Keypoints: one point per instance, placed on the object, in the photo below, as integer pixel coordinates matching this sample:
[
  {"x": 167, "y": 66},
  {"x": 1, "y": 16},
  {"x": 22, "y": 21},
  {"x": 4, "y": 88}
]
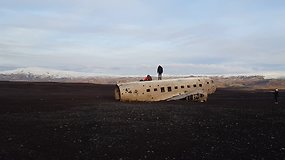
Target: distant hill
[
  {"x": 248, "y": 82},
  {"x": 48, "y": 75}
]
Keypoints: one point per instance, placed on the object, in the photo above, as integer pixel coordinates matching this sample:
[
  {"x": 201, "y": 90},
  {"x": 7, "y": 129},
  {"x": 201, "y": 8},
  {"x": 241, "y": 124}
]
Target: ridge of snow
[{"x": 51, "y": 73}]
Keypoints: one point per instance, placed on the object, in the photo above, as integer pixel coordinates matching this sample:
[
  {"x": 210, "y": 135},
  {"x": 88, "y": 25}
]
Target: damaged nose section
[{"x": 117, "y": 93}]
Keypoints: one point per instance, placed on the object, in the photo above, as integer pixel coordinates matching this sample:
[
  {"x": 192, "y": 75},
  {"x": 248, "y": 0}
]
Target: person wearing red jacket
[{"x": 147, "y": 78}]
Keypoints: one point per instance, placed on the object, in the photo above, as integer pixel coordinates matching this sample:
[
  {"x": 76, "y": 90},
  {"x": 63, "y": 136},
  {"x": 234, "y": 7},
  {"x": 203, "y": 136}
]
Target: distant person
[
  {"x": 159, "y": 71},
  {"x": 147, "y": 78},
  {"x": 276, "y": 95}
]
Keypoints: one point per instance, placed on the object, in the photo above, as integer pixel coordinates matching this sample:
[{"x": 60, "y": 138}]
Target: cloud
[{"x": 133, "y": 36}]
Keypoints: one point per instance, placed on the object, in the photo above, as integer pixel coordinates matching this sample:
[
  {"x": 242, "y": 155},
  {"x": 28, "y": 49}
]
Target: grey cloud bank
[{"x": 133, "y": 37}]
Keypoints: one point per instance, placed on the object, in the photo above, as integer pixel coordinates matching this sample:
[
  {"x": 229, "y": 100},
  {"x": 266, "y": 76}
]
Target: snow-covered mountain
[
  {"x": 44, "y": 74},
  {"x": 35, "y": 74}
]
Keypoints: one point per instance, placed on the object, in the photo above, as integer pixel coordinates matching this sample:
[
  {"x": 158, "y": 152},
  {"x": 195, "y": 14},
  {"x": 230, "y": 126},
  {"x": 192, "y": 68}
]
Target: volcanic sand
[{"x": 84, "y": 121}]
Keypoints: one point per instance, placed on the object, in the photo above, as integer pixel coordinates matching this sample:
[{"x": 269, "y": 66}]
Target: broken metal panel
[
  {"x": 191, "y": 96},
  {"x": 164, "y": 89}
]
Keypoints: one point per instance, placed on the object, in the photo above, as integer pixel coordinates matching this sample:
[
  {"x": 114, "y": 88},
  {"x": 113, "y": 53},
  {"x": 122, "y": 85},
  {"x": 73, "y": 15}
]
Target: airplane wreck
[{"x": 191, "y": 89}]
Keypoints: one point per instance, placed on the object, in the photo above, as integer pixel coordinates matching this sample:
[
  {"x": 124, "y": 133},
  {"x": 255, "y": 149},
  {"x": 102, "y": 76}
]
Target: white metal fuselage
[{"x": 194, "y": 88}]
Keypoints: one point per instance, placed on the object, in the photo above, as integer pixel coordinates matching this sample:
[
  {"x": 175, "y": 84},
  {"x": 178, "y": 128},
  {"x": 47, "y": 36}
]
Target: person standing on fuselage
[{"x": 159, "y": 71}]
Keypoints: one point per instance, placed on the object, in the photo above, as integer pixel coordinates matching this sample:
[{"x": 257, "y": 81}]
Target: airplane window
[
  {"x": 155, "y": 89},
  {"x": 182, "y": 86},
  {"x": 162, "y": 89},
  {"x": 194, "y": 85},
  {"x": 200, "y": 85},
  {"x": 176, "y": 87},
  {"x": 188, "y": 86},
  {"x": 169, "y": 89},
  {"x": 147, "y": 90}
]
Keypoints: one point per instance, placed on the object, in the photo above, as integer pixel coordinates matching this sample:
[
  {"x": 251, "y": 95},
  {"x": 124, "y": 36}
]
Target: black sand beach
[{"x": 55, "y": 121}]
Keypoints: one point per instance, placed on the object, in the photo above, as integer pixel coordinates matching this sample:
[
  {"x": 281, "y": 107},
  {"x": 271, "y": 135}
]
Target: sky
[{"x": 132, "y": 37}]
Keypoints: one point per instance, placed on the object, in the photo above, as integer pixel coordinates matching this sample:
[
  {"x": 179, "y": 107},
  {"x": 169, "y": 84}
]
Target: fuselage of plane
[{"x": 194, "y": 88}]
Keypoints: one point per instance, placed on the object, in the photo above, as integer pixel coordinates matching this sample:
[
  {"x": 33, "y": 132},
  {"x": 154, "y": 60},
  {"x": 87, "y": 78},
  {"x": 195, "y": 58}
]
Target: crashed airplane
[{"x": 191, "y": 89}]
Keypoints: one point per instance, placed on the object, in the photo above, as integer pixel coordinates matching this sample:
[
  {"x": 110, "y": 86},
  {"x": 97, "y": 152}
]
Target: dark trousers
[{"x": 159, "y": 77}]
